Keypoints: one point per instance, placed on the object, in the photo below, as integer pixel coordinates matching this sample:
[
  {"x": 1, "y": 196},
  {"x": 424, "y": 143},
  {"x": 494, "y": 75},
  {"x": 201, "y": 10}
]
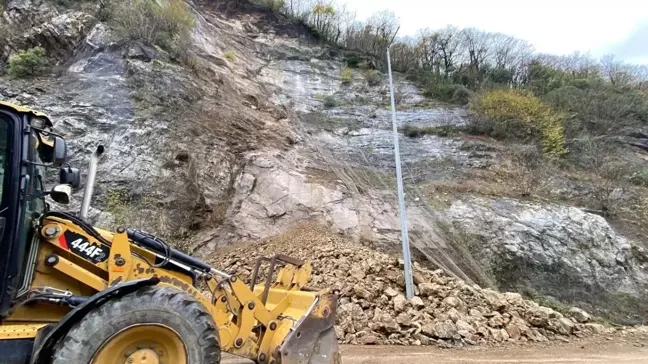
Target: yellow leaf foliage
[
  {"x": 514, "y": 108},
  {"x": 346, "y": 75}
]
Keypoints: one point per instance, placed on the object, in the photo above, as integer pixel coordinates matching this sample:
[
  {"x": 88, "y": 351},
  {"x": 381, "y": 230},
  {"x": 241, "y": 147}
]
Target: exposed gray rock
[
  {"x": 558, "y": 251},
  {"x": 565, "y": 326},
  {"x": 579, "y": 315},
  {"x": 595, "y": 328}
]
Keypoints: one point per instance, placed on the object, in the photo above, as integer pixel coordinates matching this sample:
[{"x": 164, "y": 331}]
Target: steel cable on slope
[
  {"x": 352, "y": 183},
  {"x": 457, "y": 272},
  {"x": 473, "y": 265},
  {"x": 431, "y": 215}
]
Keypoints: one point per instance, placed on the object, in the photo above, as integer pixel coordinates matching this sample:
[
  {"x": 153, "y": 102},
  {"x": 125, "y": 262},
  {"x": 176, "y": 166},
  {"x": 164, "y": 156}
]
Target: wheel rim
[{"x": 143, "y": 344}]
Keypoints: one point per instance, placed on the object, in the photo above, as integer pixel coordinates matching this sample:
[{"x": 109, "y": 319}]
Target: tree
[
  {"x": 427, "y": 44},
  {"x": 385, "y": 27},
  {"x": 448, "y": 43},
  {"x": 616, "y": 71},
  {"x": 323, "y": 16},
  {"x": 476, "y": 52},
  {"x": 405, "y": 55}
]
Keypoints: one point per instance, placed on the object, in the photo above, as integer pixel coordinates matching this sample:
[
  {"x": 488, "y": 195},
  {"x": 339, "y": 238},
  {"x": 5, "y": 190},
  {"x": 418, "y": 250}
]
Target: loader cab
[{"x": 25, "y": 152}]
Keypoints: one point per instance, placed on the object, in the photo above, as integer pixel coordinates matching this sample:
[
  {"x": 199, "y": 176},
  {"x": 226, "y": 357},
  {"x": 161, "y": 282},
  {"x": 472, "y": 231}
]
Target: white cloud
[{"x": 552, "y": 26}]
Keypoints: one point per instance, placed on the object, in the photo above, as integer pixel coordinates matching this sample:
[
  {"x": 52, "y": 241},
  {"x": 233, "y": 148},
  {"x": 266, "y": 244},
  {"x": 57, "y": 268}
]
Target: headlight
[{"x": 38, "y": 123}]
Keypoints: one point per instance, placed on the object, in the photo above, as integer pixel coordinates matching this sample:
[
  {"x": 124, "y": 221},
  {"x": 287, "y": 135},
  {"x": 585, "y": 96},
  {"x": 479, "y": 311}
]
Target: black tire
[{"x": 155, "y": 305}]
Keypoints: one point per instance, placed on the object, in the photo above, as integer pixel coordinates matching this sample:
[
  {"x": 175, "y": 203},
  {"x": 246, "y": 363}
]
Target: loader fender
[{"x": 44, "y": 347}]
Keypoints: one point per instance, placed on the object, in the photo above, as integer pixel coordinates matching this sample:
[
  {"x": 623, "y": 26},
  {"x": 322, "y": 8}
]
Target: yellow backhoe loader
[{"x": 71, "y": 293}]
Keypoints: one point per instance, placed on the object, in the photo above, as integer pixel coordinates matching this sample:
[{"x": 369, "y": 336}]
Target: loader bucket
[{"x": 313, "y": 339}]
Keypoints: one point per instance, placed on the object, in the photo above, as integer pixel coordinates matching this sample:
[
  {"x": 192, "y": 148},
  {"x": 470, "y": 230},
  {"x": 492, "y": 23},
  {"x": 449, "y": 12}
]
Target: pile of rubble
[{"x": 373, "y": 308}]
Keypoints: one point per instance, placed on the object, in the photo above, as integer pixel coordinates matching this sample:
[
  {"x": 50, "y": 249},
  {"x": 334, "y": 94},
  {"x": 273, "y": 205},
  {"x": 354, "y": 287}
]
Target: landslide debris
[{"x": 373, "y": 309}]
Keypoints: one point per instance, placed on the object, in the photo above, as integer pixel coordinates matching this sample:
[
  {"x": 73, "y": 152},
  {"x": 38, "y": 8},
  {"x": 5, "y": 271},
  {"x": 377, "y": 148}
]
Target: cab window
[
  {"x": 4, "y": 161},
  {"x": 35, "y": 204}
]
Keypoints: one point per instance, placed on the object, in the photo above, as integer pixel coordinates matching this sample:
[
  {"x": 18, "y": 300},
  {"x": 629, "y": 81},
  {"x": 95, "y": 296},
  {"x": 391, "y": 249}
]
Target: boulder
[
  {"x": 579, "y": 315},
  {"x": 369, "y": 339},
  {"x": 427, "y": 289},
  {"x": 446, "y": 330},
  {"x": 564, "y": 326},
  {"x": 465, "y": 329},
  {"x": 390, "y": 292},
  {"x": 417, "y": 302},
  {"x": 399, "y": 303}
]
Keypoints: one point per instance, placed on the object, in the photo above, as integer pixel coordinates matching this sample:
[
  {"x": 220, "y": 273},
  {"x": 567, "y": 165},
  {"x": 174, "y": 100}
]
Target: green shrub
[
  {"x": 352, "y": 60},
  {"x": 66, "y": 3},
  {"x": 230, "y": 56},
  {"x": 412, "y": 74},
  {"x": 346, "y": 75},
  {"x": 639, "y": 177},
  {"x": 510, "y": 113},
  {"x": 462, "y": 95},
  {"x": 373, "y": 77},
  {"x": 360, "y": 60},
  {"x": 274, "y": 5},
  {"x": 600, "y": 109},
  {"x": 500, "y": 75},
  {"x": 581, "y": 83},
  {"x": 444, "y": 91},
  {"x": 413, "y": 131},
  {"x": 31, "y": 62},
  {"x": 150, "y": 22},
  {"x": 330, "y": 101}
]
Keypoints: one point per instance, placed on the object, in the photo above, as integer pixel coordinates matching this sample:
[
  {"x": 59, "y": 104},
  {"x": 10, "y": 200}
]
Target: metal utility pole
[{"x": 409, "y": 284}]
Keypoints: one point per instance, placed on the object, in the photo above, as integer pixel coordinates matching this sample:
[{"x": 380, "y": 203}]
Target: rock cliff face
[
  {"x": 561, "y": 251},
  {"x": 224, "y": 151}
]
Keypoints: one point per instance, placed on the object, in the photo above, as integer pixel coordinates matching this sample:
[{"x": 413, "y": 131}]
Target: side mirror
[
  {"x": 61, "y": 194},
  {"x": 60, "y": 151},
  {"x": 70, "y": 176}
]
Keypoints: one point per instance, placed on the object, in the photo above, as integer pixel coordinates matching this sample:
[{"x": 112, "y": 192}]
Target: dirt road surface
[
  {"x": 583, "y": 352},
  {"x": 574, "y": 353}
]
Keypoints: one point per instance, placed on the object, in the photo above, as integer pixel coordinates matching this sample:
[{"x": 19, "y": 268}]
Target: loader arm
[{"x": 272, "y": 322}]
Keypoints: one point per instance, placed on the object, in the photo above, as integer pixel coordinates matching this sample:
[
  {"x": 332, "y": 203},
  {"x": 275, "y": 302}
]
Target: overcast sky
[{"x": 552, "y": 26}]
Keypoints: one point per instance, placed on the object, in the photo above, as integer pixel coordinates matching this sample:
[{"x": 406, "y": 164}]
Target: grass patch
[
  {"x": 373, "y": 77},
  {"x": 230, "y": 56},
  {"x": 328, "y": 123},
  {"x": 346, "y": 75},
  {"x": 330, "y": 102},
  {"x": 413, "y": 131},
  {"x": 165, "y": 25}
]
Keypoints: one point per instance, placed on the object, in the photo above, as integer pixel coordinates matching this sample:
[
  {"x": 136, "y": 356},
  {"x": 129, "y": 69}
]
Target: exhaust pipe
[{"x": 89, "y": 187}]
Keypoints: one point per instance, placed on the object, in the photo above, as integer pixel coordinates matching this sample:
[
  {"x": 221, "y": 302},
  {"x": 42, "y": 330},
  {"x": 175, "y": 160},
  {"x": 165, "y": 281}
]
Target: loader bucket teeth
[{"x": 313, "y": 340}]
